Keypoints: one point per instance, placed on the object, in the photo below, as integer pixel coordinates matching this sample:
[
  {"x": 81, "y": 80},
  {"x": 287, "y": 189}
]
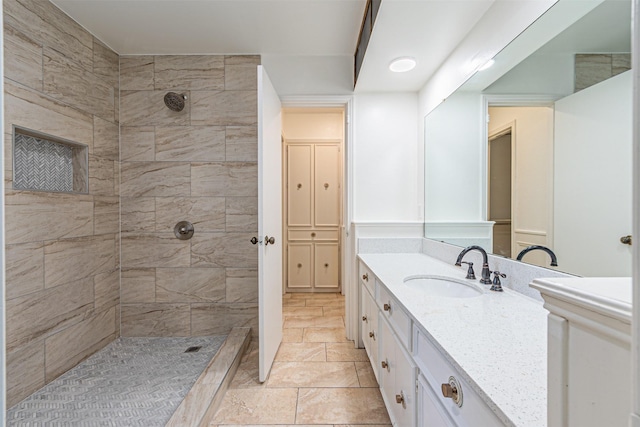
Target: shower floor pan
[{"x": 131, "y": 382}]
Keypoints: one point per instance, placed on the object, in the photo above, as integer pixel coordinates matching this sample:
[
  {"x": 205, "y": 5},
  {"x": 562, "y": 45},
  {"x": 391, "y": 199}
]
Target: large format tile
[
  {"x": 155, "y": 179},
  {"x": 46, "y": 24},
  {"x": 301, "y": 352},
  {"x": 313, "y": 322},
  {"x": 24, "y": 271},
  {"x": 242, "y": 144},
  {"x": 241, "y": 72},
  {"x": 155, "y": 320},
  {"x": 241, "y": 214},
  {"x": 341, "y": 406},
  {"x": 32, "y": 110},
  {"x": 224, "y": 179},
  {"x": 324, "y": 335},
  {"x": 219, "y": 318},
  {"x": 22, "y": 58},
  {"x": 292, "y": 335},
  {"x": 102, "y": 176},
  {"x": 189, "y": 72},
  {"x": 207, "y": 214},
  {"x": 106, "y": 63},
  {"x": 147, "y": 108},
  {"x": 106, "y": 214},
  {"x": 70, "y": 82},
  {"x": 190, "y": 284},
  {"x": 136, "y": 72},
  {"x": 106, "y": 290},
  {"x": 190, "y": 143},
  {"x": 25, "y": 371},
  {"x": 224, "y": 108},
  {"x": 345, "y": 352},
  {"x": 138, "y": 285},
  {"x": 106, "y": 139},
  {"x": 73, "y": 259},
  {"x": 71, "y": 346},
  {"x": 241, "y": 285},
  {"x": 301, "y": 311},
  {"x": 224, "y": 250},
  {"x": 263, "y": 406},
  {"x": 43, "y": 313},
  {"x": 366, "y": 377},
  {"x": 138, "y": 214},
  {"x": 137, "y": 143},
  {"x": 313, "y": 374},
  {"x": 154, "y": 250}
]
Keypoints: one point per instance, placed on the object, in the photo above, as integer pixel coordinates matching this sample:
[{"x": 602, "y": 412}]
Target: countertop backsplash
[{"x": 519, "y": 274}]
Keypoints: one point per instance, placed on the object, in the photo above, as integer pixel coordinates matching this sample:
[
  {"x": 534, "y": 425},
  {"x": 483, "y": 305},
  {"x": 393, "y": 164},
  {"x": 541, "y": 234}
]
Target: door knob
[
  {"x": 254, "y": 240},
  {"x": 269, "y": 240},
  {"x": 626, "y": 240}
]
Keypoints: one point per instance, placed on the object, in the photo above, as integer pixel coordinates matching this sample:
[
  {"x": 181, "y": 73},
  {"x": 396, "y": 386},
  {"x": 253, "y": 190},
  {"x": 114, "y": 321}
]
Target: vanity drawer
[
  {"x": 391, "y": 310},
  {"x": 367, "y": 278},
  {"x": 314, "y": 235},
  {"x": 437, "y": 370}
]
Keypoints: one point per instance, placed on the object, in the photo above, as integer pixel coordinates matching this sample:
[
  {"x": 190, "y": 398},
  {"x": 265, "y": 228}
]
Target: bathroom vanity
[{"x": 473, "y": 360}]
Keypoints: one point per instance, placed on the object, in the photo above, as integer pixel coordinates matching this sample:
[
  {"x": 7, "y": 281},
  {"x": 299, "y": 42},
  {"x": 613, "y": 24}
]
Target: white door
[{"x": 269, "y": 222}]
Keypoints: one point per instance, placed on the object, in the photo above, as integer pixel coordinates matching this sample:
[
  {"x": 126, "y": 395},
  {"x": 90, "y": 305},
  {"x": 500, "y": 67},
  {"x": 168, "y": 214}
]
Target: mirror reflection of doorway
[{"x": 500, "y": 191}]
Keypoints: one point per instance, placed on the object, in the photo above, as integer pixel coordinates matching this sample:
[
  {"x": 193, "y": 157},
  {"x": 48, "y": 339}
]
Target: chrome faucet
[
  {"x": 554, "y": 260},
  {"x": 485, "y": 275}
]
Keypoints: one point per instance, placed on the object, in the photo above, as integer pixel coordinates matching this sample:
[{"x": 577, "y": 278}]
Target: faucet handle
[
  {"x": 470, "y": 273},
  {"x": 497, "y": 286}
]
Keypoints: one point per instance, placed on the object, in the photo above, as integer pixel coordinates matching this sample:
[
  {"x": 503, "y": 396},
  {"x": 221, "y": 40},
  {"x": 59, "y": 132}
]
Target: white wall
[
  {"x": 310, "y": 75},
  {"x": 593, "y": 176},
  {"x": 453, "y": 160},
  {"x": 385, "y": 164}
]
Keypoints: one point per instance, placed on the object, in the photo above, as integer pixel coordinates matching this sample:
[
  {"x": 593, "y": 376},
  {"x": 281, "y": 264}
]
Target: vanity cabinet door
[
  {"x": 397, "y": 377},
  {"x": 370, "y": 329},
  {"x": 430, "y": 412}
]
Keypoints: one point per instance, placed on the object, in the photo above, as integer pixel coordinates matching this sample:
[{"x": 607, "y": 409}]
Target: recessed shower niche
[{"x": 44, "y": 162}]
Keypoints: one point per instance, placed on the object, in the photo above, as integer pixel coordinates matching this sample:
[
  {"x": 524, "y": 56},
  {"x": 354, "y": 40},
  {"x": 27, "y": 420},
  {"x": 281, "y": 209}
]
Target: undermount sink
[{"x": 438, "y": 286}]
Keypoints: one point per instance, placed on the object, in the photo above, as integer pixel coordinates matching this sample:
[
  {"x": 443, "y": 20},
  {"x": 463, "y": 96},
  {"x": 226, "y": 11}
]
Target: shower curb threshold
[{"x": 204, "y": 398}]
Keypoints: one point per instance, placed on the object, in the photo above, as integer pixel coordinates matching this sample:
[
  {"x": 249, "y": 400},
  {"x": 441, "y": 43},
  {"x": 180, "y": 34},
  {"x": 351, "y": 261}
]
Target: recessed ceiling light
[
  {"x": 488, "y": 64},
  {"x": 402, "y": 64}
]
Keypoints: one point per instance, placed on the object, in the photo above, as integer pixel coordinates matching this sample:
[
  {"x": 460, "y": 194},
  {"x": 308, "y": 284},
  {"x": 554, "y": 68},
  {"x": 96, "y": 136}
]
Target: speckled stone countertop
[{"x": 498, "y": 341}]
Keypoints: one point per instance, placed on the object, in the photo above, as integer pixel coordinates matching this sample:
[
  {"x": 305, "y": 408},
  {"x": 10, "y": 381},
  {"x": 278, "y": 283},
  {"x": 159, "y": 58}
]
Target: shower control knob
[{"x": 183, "y": 230}]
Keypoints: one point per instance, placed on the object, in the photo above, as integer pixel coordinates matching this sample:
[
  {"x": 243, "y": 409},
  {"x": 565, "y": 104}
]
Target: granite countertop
[{"x": 498, "y": 341}]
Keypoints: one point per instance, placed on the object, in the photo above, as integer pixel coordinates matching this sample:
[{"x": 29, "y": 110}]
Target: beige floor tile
[
  {"x": 302, "y": 352},
  {"x": 302, "y": 311},
  {"x": 345, "y": 352},
  {"x": 265, "y": 406},
  {"x": 365, "y": 374},
  {"x": 292, "y": 302},
  {"x": 362, "y": 425},
  {"x": 341, "y": 406},
  {"x": 313, "y": 322},
  {"x": 313, "y": 374},
  {"x": 292, "y": 335},
  {"x": 324, "y": 335},
  {"x": 332, "y": 311},
  {"x": 320, "y": 302}
]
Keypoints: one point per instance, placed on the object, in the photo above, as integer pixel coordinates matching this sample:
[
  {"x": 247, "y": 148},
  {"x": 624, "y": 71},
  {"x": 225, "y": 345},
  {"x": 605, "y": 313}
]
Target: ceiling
[{"x": 425, "y": 29}]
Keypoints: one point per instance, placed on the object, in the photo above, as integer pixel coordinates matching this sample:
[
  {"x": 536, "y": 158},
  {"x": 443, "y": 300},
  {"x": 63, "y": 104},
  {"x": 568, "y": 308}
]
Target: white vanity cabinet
[
  {"x": 369, "y": 316},
  {"x": 430, "y": 412},
  {"x": 397, "y": 377}
]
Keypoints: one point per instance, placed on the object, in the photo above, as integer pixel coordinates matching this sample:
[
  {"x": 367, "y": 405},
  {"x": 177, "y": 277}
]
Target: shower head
[{"x": 175, "y": 101}]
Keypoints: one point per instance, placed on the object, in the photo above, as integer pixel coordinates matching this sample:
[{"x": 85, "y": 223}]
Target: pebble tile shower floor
[{"x": 131, "y": 382}]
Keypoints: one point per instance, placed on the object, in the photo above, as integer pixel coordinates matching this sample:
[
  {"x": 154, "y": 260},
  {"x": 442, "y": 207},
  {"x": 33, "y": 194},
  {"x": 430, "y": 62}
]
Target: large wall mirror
[{"x": 537, "y": 149}]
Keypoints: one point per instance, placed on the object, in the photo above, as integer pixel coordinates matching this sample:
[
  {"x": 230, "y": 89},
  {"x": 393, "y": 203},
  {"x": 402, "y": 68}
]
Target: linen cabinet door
[
  {"x": 326, "y": 269},
  {"x": 327, "y": 185},
  {"x": 299, "y": 186},
  {"x": 299, "y": 262}
]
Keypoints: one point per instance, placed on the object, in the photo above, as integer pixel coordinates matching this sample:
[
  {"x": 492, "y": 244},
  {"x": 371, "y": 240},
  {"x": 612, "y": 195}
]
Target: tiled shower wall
[
  {"x": 198, "y": 165},
  {"x": 62, "y": 277}
]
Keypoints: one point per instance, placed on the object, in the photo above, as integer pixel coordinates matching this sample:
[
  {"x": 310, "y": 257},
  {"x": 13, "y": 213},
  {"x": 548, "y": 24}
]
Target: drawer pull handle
[
  {"x": 372, "y": 335},
  {"x": 387, "y": 307},
  {"x": 365, "y": 277},
  {"x": 364, "y": 318},
  {"x": 452, "y": 390},
  {"x": 385, "y": 365},
  {"x": 400, "y": 400}
]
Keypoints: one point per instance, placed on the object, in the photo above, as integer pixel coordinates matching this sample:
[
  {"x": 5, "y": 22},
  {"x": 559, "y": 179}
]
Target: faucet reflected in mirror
[{"x": 554, "y": 259}]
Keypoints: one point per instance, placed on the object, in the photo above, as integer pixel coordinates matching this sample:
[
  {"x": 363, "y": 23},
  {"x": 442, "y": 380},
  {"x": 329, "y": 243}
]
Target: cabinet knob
[
  {"x": 372, "y": 335},
  {"x": 299, "y": 265},
  {"x": 400, "y": 399},
  {"x": 453, "y": 390},
  {"x": 364, "y": 318},
  {"x": 313, "y": 234},
  {"x": 326, "y": 185},
  {"x": 299, "y": 186},
  {"x": 387, "y": 307},
  {"x": 326, "y": 265},
  {"x": 365, "y": 277},
  {"x": 385, "y": 365}
]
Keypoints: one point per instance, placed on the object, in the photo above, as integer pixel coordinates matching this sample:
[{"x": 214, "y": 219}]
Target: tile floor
[{"x": 318, "y": 377}]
